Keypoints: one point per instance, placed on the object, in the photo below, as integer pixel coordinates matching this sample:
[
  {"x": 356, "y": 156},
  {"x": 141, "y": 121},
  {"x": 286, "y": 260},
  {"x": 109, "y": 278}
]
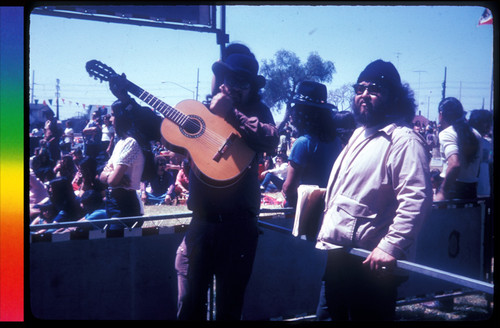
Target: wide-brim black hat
[
  {"x": 311, "y": 93},
  {"x": 243, "y": 65}
]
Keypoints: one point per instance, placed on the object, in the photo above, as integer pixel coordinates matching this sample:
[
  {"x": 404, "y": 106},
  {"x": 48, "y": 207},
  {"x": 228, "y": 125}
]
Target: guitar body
[{"x": 219, "y": 154}]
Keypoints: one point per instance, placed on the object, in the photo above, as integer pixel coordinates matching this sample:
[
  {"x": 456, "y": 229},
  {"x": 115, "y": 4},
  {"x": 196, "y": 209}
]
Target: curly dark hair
[
  {"x": 314, "y": 121},
  {"x": 481, "y": 120}
]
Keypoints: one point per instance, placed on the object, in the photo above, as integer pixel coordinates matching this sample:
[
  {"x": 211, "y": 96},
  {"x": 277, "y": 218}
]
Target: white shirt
[
  {"x": 107, "y": 132},
  {"x": 448, "y": 140},
  {"x": 280, "y": 171},
  {"x": 68, "y": 135},
  {"x": 128, "y": 152}
]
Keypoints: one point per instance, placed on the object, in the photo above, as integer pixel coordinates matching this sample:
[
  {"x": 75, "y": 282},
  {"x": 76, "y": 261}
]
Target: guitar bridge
[{"x": 223, "y": 149}]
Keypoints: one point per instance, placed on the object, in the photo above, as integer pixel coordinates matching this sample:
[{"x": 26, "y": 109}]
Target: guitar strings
[
  {"x": 208, "y": 138},
  {"x": 212, "y": 138}
]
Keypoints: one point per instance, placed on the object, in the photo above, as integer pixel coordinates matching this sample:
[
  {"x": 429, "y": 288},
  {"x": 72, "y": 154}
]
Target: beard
[{"x": 369, "y": 115}]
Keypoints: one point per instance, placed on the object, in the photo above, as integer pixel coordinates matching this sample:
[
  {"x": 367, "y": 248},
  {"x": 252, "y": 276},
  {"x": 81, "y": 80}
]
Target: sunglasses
[
  {"x": 372, "y": 88},
  {"x": 236, "y": 83}
]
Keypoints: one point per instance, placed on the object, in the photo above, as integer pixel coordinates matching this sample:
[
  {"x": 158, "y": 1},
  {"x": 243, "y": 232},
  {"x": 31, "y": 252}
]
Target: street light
[{"x": 180, "y": 86}]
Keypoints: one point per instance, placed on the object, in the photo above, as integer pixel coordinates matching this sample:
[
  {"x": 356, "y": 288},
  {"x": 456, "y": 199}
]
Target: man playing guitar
[{"x": 222, "y": 237}]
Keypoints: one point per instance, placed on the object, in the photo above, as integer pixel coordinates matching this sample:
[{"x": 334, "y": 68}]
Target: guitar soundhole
[{"x": 193, "y": 127}]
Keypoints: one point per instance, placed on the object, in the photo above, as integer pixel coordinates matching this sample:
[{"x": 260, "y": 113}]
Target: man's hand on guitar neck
[
  {"x": 222, "y": 102},
  {"x": 118, "y": 87}
]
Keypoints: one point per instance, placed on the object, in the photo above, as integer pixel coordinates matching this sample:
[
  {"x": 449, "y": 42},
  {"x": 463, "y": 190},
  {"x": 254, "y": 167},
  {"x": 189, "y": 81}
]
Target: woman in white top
[
  {"x": 460, "y": 148},
  {"x": 108, "y": 135},
  {"x": 123, "y": 171}
]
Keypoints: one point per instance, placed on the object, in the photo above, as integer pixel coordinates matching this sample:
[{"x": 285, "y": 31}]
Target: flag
[{"x": 486, "y": 18}]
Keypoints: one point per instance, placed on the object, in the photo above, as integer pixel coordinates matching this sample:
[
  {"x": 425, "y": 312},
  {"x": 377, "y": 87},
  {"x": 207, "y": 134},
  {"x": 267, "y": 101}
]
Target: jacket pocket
[
  {"x": 354, "y": 208},
  {"x": 343, "y": 220}
]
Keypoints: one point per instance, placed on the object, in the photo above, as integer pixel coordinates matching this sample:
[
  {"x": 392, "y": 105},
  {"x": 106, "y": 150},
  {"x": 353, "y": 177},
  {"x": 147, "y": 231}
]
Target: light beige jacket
[{"x": 379, "y": 192}]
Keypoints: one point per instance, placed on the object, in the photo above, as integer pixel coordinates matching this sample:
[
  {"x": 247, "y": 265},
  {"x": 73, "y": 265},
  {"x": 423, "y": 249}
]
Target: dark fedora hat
[
  {"x": 311, "y": 94},
  {"x": 242, "y": 65}
]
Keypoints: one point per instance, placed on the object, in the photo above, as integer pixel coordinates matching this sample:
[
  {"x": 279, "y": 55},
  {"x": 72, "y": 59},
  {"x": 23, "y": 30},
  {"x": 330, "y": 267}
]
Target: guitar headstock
[{"x": 99, "y": 70}]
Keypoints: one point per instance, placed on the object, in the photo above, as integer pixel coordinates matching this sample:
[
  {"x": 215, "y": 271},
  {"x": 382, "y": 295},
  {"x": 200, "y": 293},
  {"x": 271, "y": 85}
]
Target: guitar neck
[{"x": 168, "y": 112}]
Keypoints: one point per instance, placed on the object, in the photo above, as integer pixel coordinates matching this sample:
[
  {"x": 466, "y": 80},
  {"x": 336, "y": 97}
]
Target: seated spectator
[
  {"x": 174, "y": 161},
  {"x": 43, "y": 166},
  {"x": 161, "y": 188},
  {"x": 63, "y": 198},
  {"x": 92, "y": 204},
  {"x": 47, "y": 214},
  {"x": 158, "y": 148},
  {"x": 265, "y": 163},
  {"x": 86, "y": 178},
  {"x": 276, "y": 175},
  {"x": 77, "y": 156},
  {"x": 38, "y": 193},
  {"x": 65, "y": 168},
  {"x": 182, "y": 179}
]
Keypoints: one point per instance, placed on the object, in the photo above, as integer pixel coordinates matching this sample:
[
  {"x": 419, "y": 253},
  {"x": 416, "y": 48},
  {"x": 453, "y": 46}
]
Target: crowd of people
[
  {"x": 374, "y": 165},
  {"x": 73, "y": 187}
]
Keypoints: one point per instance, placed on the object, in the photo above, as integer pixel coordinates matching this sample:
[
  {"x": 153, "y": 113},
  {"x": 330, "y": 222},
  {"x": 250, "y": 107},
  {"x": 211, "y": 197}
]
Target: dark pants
[
  {"x": 350, "y": 291},
  {"x": 225, "y": 249},
  {"x": 272, "y": 178},
  {"x": 122, "y": 203},
  {"x": 463, "y": 190}
]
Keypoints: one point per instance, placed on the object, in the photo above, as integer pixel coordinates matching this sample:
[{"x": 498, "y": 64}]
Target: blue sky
[{"x": 420, "y": 40}]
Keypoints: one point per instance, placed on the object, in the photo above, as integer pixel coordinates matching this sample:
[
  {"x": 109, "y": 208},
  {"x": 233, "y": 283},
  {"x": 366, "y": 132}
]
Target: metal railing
[{"x": 130, "y": 223}]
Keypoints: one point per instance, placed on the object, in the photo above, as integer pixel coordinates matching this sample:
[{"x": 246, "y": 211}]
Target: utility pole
[
  {"x": 33, "y": 86},
  {"x": 428, "y": 105},
  {"x": 444, "y": 83},
  {"x": 418, "y": 100},
  {"x": 57, "y": 99},
  {"x": 197, "y": 82}
]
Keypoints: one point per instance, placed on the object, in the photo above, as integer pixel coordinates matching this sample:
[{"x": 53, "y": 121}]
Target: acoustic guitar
[{"x": 218, "y": 152}]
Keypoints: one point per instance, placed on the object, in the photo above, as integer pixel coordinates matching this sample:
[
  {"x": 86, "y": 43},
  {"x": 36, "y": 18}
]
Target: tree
[
  {"x": 342, "y": 97},
  {"x": 285, "y": 71}
]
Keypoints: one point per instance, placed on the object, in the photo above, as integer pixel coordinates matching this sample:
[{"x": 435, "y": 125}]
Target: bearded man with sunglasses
[{"x": 378, "y": 195}]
